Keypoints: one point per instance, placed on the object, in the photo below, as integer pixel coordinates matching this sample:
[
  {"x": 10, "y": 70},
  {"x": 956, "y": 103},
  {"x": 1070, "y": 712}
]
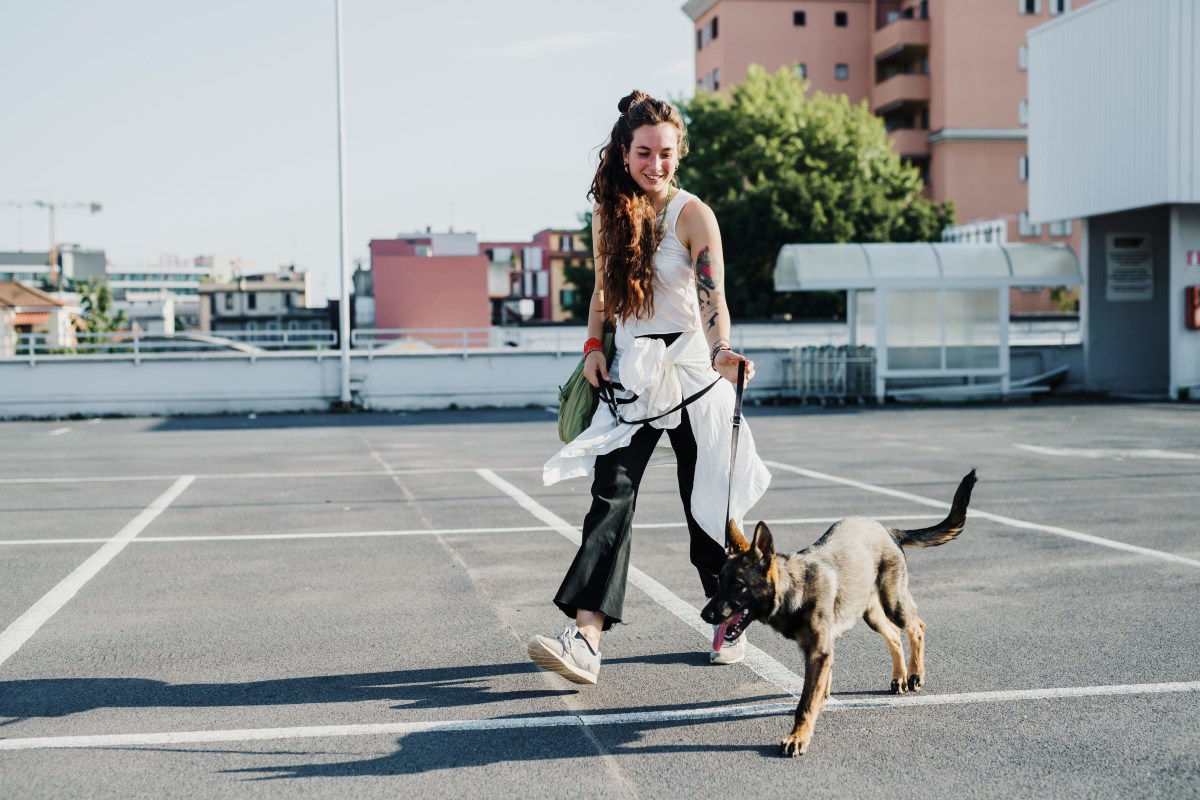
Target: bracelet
[
  {"x": 591, "y": 346},
  {"x": 720, "y": 345}
]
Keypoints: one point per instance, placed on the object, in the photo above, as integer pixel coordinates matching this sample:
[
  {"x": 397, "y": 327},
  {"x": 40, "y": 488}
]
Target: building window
[
  {"x": 1060, "y": 228},
  {"x": 566, "y": 297},
  {"x": 251, "y": 300},
  {"x": 229, "y": 301},
  {"x": 1023, "y": 57},
  {"x": 716, "y": 84},
  {"x": 841, "y": 19},
  {"x": 1060, "y": 7},
  {"x": 925, "y": 118},
  {"x": 564, "y": 243},
  {"x": 699, "y": 39},
  {"x": 713, "y": 26},
  {"x": 1023, "y": 168},
  {"x": 841, "y": 72},
  {"x": 802, "y": 70},
  {"x": 1026, "y": 228},
  {"x": 293, "y": 325},
  {"x": 1023, "y": 112},
  {"x": 1030, "y": 6},
  {"x": 799, "y": 18}
]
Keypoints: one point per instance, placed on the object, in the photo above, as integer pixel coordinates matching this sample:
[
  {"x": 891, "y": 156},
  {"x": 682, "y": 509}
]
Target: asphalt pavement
[{"x": 335, "y": 606}]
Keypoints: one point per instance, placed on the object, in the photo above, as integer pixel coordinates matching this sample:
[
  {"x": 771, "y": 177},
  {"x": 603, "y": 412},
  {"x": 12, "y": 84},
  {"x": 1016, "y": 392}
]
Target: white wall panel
[{"x": 1113, "y": 108}]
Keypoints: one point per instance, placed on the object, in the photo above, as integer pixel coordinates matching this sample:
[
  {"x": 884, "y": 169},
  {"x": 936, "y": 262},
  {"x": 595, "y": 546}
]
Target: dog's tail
[{"x": 948, "y": 528}]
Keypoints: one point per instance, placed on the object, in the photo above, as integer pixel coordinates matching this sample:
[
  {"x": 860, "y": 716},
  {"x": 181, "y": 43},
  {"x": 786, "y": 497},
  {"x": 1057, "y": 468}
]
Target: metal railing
[
  {"x": 135, "y": 344},
  {"x": 830, "y": 373}
]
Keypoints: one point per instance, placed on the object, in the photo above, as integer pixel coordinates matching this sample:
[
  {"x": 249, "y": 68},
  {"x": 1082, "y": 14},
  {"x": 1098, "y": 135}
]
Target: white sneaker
[
  {"x": 568, "y": 654},
  {"x": 732, "y": 652}
]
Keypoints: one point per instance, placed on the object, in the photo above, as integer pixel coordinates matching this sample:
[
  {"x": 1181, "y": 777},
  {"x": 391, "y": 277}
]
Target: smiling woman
[{"x": 660, "y": 282}]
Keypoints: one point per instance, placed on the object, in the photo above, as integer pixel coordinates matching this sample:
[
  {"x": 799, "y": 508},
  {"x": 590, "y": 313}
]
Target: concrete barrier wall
[{"x": 61, "y": 386}]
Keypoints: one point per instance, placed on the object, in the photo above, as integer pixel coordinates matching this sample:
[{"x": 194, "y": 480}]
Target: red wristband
[{"x": 592, "y": 344}]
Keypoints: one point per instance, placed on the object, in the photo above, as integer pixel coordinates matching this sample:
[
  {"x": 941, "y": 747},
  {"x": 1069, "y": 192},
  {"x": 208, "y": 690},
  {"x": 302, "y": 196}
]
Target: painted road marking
[
  {"x": 759, "y": 662},
  {"x": 238, "y": 476},
  {"x": 1079, "y": 452},
  {"x": 19, "y": 632},
  {"x": 835, "y": 703},
  {"x": 243, "y": 537},
  {"x": 59, "y": 431},
  {"x": 1009, "y": 521}
]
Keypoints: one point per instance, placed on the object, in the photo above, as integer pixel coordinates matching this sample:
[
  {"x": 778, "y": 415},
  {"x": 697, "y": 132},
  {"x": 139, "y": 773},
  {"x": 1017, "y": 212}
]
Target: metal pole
[{"x": 343, "y": 276}]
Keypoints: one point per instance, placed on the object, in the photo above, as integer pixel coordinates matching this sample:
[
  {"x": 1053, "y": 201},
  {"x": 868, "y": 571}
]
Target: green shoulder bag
[{"x": 577, "y": 399}]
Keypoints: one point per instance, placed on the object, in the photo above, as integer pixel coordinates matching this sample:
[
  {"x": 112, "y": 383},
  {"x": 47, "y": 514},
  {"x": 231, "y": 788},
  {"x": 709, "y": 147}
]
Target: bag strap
[
  {"x": 737, "y": 426},
  {"x": 608, "y": 395}
]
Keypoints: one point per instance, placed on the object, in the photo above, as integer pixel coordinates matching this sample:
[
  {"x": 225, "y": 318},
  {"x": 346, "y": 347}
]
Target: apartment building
[
  {"x": 262, "y": 303},
  {"x": 561, "y": 248},
  {"x": 948, "y": 77}
]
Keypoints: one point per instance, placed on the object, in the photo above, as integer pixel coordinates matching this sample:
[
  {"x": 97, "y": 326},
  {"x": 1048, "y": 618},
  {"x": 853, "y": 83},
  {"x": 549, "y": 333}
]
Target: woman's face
[{"x": 653, "y": 156}]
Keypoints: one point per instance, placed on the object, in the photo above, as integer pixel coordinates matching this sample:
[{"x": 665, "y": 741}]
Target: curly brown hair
[{"x": 627, "y": 217}]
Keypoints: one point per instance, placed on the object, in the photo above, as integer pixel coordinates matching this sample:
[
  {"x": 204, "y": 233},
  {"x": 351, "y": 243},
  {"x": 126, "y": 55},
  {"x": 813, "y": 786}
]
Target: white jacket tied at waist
[{"x": 661, "y": 377}]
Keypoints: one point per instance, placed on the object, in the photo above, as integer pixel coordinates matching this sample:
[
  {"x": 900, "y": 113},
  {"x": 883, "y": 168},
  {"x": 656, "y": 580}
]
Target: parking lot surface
[{"x": 336, "y": 606}]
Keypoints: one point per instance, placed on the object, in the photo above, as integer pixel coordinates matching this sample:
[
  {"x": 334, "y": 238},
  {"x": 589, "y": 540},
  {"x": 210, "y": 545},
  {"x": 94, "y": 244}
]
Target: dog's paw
[
  {"x": 915, "y": 682},
  {"x": 793, "y": 746},
  {"x": 898, "y": 686}
]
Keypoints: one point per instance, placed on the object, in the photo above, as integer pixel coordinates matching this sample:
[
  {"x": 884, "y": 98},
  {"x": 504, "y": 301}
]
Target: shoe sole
[
  {"x": 546, "y": 658},
  {"x": 722, "y": 660}
]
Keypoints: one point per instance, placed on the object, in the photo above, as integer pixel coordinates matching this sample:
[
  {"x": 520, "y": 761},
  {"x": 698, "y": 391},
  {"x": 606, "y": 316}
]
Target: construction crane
[{"x": 53, "y": 208}]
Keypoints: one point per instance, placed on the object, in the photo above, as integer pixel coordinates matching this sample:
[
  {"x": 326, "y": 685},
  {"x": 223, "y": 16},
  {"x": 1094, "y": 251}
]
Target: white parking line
[
  {"x": 574, "y": 720},
  {"x": 759, "y": 662},
  {"x": 29, "y": 622},
  {"x": 238, "y": 476},
  {"x": 243, "y": 537},
  {"x": 1009, "y": 521},
  {"x": 59, "y": 431},
  {"x": 1078, "y": 452}
]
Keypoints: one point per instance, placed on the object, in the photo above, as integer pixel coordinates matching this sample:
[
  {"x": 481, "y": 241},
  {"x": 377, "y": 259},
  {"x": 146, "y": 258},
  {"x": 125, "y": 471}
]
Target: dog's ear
[
  {"x": 764, "y": 543},
  {"x": 737, "y": 542}
]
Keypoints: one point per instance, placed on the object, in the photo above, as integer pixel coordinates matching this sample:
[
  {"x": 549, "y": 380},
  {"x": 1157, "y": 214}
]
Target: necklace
[{"x": 660, "y": 226}]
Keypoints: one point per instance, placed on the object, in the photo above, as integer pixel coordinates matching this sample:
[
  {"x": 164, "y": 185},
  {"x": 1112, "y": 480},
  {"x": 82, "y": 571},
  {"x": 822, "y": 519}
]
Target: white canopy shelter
[{"x": 935, "y": 311}]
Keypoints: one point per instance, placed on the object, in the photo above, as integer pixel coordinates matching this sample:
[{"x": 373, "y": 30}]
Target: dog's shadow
[{"x": 430, "y": 751}]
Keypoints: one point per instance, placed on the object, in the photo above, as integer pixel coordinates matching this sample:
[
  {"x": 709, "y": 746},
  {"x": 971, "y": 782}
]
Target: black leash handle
[{"x": 737, "y": 426}]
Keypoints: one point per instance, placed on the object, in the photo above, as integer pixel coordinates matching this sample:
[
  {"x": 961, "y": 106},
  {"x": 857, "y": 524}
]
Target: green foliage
[
  {"x": 779, "y": 167},
  {"x": 581, "y": 274},
  {"x": 97, "y": 308}
]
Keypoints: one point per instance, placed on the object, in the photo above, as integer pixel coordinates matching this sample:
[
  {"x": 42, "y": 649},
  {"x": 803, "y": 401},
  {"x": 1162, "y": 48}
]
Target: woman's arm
[
  {"x": 595, "y": 365},
  {"x": 698, "y": 230}
]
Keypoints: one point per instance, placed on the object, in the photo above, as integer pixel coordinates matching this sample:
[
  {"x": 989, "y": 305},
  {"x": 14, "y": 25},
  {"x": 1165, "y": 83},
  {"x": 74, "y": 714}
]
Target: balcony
[
  {"x": 899, "y": 90},
  {"x": 895, "y": 37},
  {"x": 910, "y": 141}
]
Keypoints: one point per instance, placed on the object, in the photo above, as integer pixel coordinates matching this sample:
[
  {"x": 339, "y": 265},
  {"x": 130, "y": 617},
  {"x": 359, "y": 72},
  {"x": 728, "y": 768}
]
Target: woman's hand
[
  {"x": 595, "y": 368},
  {"x": 726, "y": 365}
]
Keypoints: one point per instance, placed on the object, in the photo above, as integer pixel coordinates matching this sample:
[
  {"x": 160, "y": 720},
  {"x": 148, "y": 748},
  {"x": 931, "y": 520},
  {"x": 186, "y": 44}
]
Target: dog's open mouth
[{"x": 730, "y": 629}]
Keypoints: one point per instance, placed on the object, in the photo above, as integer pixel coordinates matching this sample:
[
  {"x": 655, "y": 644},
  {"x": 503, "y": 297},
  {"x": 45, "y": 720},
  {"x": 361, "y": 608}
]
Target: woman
[{"x": 660, "y": 278}]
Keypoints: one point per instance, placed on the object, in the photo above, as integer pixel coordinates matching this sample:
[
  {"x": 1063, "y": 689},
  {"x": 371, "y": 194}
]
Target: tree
[
  {"x": 779, "y": 167},
  {"x": 97, "y": 308},
  {"x": 580, "y": 274}
]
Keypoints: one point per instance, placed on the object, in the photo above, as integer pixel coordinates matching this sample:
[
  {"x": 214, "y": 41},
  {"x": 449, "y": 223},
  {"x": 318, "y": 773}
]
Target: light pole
[
  {"x": 52, "y": 257},
  {"x": 343, "y": 274}
]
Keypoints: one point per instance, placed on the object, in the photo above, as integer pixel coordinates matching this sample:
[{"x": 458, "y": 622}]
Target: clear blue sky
[{"x": 209, "y": 126}]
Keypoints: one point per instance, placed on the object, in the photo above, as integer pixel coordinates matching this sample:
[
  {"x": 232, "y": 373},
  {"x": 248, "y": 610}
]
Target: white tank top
[{"x": 675, "y": 305}]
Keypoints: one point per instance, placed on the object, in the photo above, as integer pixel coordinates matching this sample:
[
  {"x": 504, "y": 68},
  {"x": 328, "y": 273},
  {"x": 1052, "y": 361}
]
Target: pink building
[
  {"x": 948, "y": 77},
  {"x": 417, "y": 287}
]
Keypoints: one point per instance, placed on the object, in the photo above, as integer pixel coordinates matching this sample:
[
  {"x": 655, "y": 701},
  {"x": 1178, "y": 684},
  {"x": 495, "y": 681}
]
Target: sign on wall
[{"x": 1129, "y": 259}]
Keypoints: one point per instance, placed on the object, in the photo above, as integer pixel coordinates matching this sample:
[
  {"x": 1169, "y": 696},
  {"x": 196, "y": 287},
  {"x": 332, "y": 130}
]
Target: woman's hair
[{"x": 627, "y": 218}]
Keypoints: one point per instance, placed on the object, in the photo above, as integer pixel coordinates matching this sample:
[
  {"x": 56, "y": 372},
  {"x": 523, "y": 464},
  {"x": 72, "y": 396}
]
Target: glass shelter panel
[
  {"x": 902, "y": 261},
  {"x": 914, "y": 330},
  {"x": 983, "y": 261},
  {"x": 864, "y": 318},
  {"x": 973, "y": 329}
]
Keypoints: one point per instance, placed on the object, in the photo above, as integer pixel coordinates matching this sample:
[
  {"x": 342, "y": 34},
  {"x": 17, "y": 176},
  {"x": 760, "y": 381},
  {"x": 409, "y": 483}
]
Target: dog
[{"x": 856, "y": 569}]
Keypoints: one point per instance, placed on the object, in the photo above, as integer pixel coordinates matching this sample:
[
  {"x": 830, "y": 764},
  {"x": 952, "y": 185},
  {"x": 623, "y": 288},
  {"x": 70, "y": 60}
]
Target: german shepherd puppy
[{"x": 857, "y": 569}]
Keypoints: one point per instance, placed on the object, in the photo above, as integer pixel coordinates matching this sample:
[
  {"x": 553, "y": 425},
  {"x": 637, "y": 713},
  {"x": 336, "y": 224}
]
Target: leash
[{"x": 737, "y": 426}]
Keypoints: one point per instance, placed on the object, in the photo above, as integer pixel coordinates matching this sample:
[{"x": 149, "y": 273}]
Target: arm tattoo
[{"x": 706, "y": 288}]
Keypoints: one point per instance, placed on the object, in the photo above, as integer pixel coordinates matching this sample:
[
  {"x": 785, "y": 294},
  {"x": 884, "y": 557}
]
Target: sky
[{"x": 210, "y": 126}]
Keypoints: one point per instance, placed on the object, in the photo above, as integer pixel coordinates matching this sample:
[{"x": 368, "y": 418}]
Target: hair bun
[{"x": 636, "y": 96}]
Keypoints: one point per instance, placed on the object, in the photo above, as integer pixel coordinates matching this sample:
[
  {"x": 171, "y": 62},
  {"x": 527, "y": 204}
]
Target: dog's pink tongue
[{"x": 719, "y": 636}]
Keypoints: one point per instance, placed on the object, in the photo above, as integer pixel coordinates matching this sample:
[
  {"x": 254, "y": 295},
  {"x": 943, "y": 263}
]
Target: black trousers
[{"x": 596, "y": 579}]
